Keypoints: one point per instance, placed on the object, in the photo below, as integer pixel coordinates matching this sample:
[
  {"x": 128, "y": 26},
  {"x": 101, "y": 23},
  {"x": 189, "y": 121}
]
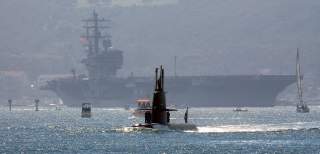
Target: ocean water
[{"x": 220, "y": 130}]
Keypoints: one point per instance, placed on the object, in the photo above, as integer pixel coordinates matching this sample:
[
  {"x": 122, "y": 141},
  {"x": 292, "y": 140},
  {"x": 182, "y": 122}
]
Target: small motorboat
[
  {"x": 238, "y": 109},
  {"x": 86, "y": 110},
  {"x": 303, "y": 108},
  {"x": 144, "y": 104}
]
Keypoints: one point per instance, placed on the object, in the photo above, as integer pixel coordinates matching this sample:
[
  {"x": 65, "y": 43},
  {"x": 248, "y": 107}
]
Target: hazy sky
[{"x": 208, "y": 36}]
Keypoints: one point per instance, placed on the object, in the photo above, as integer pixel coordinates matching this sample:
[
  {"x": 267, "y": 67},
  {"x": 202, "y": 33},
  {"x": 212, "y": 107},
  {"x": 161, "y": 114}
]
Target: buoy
[
  {"x": 186, "y": 116},
  {"x": 36, "y": 101},
  {"x": 10, "y": 104}
]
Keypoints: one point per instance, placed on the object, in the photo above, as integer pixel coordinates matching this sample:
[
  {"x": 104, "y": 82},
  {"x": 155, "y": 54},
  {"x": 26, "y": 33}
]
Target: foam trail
[
  {"x": 135, "y": 129},
  {"x": 257, "y": 128},
  {"x": 132, "y": 117}
]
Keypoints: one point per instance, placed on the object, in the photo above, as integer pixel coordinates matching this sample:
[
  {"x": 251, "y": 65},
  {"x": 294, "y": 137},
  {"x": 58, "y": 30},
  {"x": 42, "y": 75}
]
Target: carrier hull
[{"x": 197, "y": 91}]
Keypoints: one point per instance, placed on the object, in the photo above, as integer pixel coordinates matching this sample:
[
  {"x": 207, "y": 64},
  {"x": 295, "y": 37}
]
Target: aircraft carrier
[{"x": 103, "y": 88}]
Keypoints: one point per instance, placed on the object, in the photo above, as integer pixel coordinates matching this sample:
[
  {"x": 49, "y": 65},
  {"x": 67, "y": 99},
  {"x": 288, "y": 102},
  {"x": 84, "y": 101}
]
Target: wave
[{"x": 258, "y": 127}]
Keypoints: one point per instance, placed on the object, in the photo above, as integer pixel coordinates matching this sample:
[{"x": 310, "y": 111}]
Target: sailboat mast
[{"x": 298, "y": 74}]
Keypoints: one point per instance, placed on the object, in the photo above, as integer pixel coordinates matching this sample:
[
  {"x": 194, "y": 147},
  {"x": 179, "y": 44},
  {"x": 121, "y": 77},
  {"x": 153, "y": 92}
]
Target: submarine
[{"x": 158, "y": 116}]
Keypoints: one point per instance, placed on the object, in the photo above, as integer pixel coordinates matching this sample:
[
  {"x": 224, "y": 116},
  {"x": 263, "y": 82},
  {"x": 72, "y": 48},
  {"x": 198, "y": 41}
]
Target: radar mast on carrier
[{"x": 102, "y": 60}]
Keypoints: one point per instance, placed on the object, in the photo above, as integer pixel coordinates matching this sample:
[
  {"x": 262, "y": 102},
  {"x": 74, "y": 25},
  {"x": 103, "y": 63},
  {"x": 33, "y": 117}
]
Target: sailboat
[{"x": 302, "y": 107}]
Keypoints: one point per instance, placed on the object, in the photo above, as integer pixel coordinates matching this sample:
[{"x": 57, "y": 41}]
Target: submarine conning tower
[{"x": 159, "y": 108}]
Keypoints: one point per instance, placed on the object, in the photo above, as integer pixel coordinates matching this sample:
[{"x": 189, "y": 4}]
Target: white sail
[{"x": 299, "y": 78}]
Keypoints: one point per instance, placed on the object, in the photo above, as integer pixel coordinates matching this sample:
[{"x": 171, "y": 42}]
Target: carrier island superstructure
[{"x": 103, "y": 88}]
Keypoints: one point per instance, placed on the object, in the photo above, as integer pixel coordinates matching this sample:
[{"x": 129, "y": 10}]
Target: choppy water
[{"x": 220, "y": 130}]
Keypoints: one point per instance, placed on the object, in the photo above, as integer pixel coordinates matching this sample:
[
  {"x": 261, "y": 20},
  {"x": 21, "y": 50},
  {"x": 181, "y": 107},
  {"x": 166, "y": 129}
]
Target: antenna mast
[{"x": 93, "y": 26}]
